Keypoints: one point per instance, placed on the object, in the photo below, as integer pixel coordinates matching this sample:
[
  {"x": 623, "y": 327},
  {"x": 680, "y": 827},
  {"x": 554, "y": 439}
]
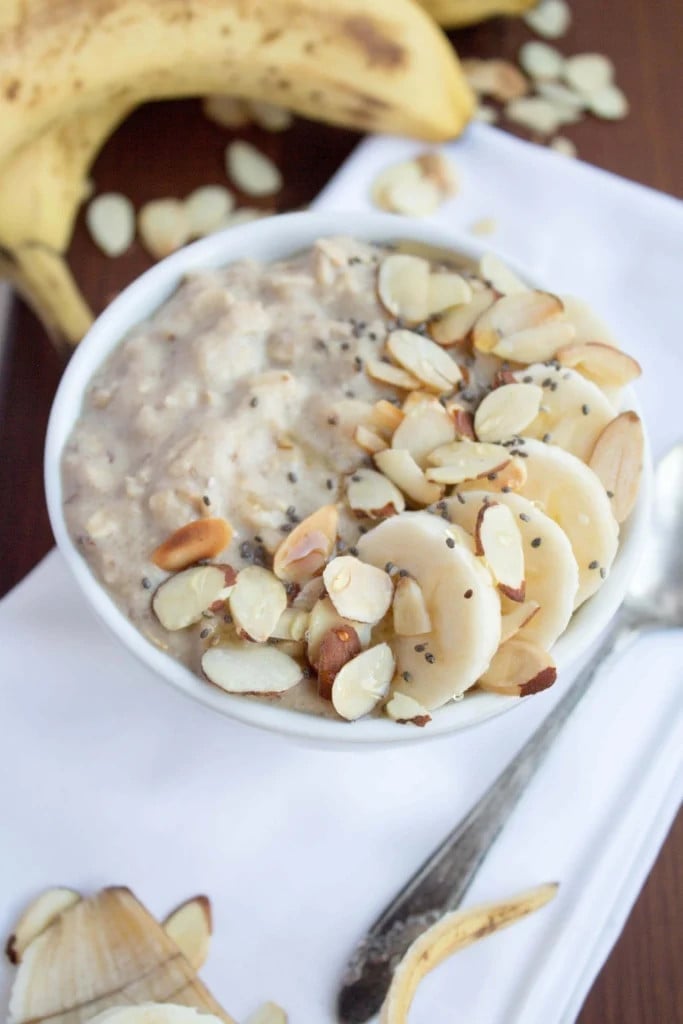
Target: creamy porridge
[{"x": 409, "y": 473}]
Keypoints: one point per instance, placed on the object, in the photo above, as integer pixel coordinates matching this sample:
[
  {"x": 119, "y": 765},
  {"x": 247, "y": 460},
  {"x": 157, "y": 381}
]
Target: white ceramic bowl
[{"x": 268, "y": 240}]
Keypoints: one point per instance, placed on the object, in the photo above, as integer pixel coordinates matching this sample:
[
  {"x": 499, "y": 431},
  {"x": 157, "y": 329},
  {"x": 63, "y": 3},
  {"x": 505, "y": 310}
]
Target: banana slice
[
  {"x": 461, "y": 601},
  {"x": 550, "y": 570},
  {"x": 574, "y": 411},
  {"x": 154, "y": 1013},
  {"x": 571, "y": 494}
]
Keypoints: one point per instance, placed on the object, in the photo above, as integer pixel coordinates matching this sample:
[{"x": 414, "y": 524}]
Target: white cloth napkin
[{"x": 110, "y": 776}]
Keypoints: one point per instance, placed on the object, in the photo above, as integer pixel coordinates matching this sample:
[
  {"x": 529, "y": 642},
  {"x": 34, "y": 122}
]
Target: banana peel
[{"x": 454, "y": 13}]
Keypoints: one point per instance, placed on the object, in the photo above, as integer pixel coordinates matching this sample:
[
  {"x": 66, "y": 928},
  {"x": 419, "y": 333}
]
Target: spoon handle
[{"x": 441, "y": 882}]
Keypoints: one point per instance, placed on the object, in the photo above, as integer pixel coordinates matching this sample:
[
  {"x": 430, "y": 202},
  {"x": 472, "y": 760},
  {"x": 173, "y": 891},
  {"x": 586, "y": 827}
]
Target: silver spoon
[{"x": 654, "y": 601}]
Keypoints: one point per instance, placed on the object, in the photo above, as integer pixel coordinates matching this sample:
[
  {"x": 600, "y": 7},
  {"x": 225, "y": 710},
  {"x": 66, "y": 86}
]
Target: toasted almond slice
[
  {"x": 268, "y": 1013},
  {"x": 436, "y": 166},
  {"x": 451, "y": 933},
  {"x": 513, "y": 314},
  {"x": 541, "y": 60},
  {"x": 339, "y": 645},
  {"x": 38, "y": 916},
  {"x": 588, "y": 72},
  {"x": 510, "y": 477},
  {"x": 252, "y": 171},
  {"x": 257, "y": 601},
  {"x": 496, "y": 78},
  {"x": 455, "y": 324},
  {"x": 373, "y": 494},
  {"x": 609, "y": 103},
  {"x": 463, "y": 420},
  {"x": 499, "y": 541},
  {"x": 385, "y": 417},
  {"x": 617, "y": 460},
  {"x": 269, "y": 116},
  {"x": 385, "y": 373},
  {"x": 202, "y": 538},
  {"x": 423, "y": 358},
  {"x": 110, "y": 219},
  {"x": 324, "y": 616},
  {"x": 304, "y": 551},
  {"x": 423, "y": 429},
  {"x": 518, "y": 669},
  {"x": 411, "y": 617},
  {"x": 603, "y": 364},
  {"x": 412, "y": 198},
  {"x": 190, "y": 927},
  {"x": 466, "y": 460},
  {"x": 227, "y": 111},
  {"x": 535, "y": 113},
  {"x": 549, "y": 19},
  {"x": 358, "y": 591},
  {"x": 536, "y": 344},
  {"x": 164, "y": 226},
  {"x": 447, "y": 289},
  {"x": 405, "y": 172},
  {"x": 499, "y": 276},
  {"x": 403, "y": 470},
  {"x": 368, "y": 440},
  {"x": 512, "y": 621},
  {"x": 182, "y": 599},
  {"x": 250, "y": 668},
  {"x": 506, "y": 411},
  {"x": 291, "y": 625},
  {"x": 406, "y": 710},
  {"x": 362, "y": 683},
  {"x": 403, "y": 287},
  {"x": 207, "y": 207}
]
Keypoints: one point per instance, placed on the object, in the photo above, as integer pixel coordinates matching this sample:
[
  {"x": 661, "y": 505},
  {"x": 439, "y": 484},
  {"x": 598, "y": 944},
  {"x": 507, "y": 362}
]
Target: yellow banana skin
[{"x": 452, "y": 13}]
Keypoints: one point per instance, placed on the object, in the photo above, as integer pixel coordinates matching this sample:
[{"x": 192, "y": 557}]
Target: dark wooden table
[{"x": 168, "y": 148}]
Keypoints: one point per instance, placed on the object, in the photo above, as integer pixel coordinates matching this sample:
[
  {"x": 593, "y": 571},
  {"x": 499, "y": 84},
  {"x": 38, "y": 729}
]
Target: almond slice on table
[
  {"x": 164, "y": 226},
  {"x": 605, "y": 365},
  {"x": 252, "y": 171},
  {"x": 304, "y": 551},
  {"x": 561, "y": 144},
  {"x": 453, "y": 932},
  {"x": 403, "y": 287},
  {"x": 518, "y": 669},
  {"x": 538, "y": 114},
  {"x": 406, "y": 710},
  {"x": 386, "y": 373},
  {"x": 562, "y": 97},
  {"x": 588, "y": 72},
  {"x": 496, "y": 78},
  {"x": 268, "y": 1013},
  {"x": 535, "y": 344},
  {"x": 499, "y": 276},
  {"x": 182, "y": 599},
  {"x": 466, "y": 460},
  {"x": 436, "y": 166},
  {"x": 540, "y": 60},
  {"x": 402, "y": 469},
  {"x": 424, "y": 359},
  {"x": 373, "y": 494},
  {"x": 110, "y": 219},
  {"x": 549, "y": 19},
  {"x": 324, "y": 617},
  {"x": 423, "y": 429},
  {"x": 37, "y": 918},
  {"x": 207, "y": 207},
  {"x": 339, "y": 645},
  {"x": 407, "y": 172},
  {"x": 512, "y": 314},
  {"x": 412, "y": 198},
  {"x": 446, "y": 289},
  {"x": 506, "y": 411},
  {"x": 190, "y": 927},
  {"x": 257, "y": 601},
  {"x": 617, "y": 460},
  {"x": 499, "y": 541},
  {"x": 202, "y": 538},
  {"x": 269, "y": 116},
  {"x": 609, "y": 103},
  {"x": 357, "y": 590},
  {"x": 409, "y": 608},
  {"x": 250, "y": 668},
  {"x": 453, "y": 326},
  {"x": 520, "y": 614},
  {"x": 363, "y": 682}
]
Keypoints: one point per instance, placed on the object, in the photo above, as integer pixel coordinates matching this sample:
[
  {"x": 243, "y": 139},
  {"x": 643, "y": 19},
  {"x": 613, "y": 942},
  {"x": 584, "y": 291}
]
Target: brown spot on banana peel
[{"x": 380, "y": 49}]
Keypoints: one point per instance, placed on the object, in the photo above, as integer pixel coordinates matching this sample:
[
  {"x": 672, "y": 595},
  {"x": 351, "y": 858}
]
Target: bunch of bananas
[{"x": 71, "y": 72}]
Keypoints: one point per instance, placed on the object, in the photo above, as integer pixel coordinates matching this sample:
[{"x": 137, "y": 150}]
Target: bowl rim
[{"x": 268, "y": 240}]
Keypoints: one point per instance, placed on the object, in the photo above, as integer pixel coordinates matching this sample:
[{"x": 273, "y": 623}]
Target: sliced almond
[
  {"x": 520, "y": 613},
  {"x": 423, "y": 429},
  {"x": 562, "y": 97},
  {"x": 268, "y": 1013},
  {"x": 207, "y": 207},
  {"x": 561, "y": 144},
  {"x": 588, "y": 72},
  {"x": 403, "y": 470},
  {"x": 164, "y": 226},
  {"x": 385, "y": 417},
  {"x": 110, "y": 219},
  {"x": 415, "y": 398},
  {"x": 536, "y": 113},
  {"x": 510, "y": 477},
  {"x": 411, "y": 617},
  {"x": 291, "y": 625},
  {"x": 603, "y": 364},
  {"x": 403, "y": 287},
  {"x": 257, "y": 601},
  {"x": 190, "y": 927},
  {"x": 447, "y": 289},
  {"x": 549, "y": 19},
  {"x": 484, "y": 226},
  {"x": 250, "y": 668},
  {"x": 269, "y": 116},
  {"x": 227, "y": 111},
  {"x": 609, "y": 103},
  {"x": 339, "y": 645},
  {"x": 202, "y": 538},
  {"x": 518, "y": 669},
  {"x": 499, "y": 276},
  {"x": 304, "y": 551},
  {"x": 407, "y": 172},
  {"x": 324, "y": 617},
  {"x": 368, "y": 440},
  {"x": 424, "y": 359},
  {"x": 357, "y": 590},
  {"x": 182, "y": 599},
  {"x": 513, "y": 314},
  {"x": 499, "y": 541},
  {"x": 412, "y": 198},
  {"x": 455, "y": 324},
  {"x": 496, "y": 78},
  {"x": 463, "y": 420},
  {"x": 308, "y": 594},
  {"x": 38, "y": 916},
  {"x": 506, "y": 411},
  {"x": 385, "y": 373},
  {"x": 363, "y": 682},
  {"x": 536, "y": 344},
  {"x": 252, "y": 171},
  {"x": 406, "y": 710},
  {"x": 541, "y": 60},
  {"x": 436, "y": 166},
  {"x": 617, "y": 460},
  {"x": 372, "y": 494},
  {"x": 466, "y": 460}
]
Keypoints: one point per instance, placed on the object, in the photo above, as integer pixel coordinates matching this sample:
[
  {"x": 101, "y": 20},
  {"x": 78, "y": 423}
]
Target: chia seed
[
  {"x": 253, "y": 402},
  {"x": 450, "y": 543},
  {"x": 594, "y": 564},
  {"x": 332, "y": 421},
  {"x": 429, "y": 657},
  {"x": 536, "y": 542},
  {"x": 292, "y": 477},
  {"x": 585, "y": 409},
  {"x": 603, "y": 574},
  {"x": 403, "y": 573},
  {"x": 345, "y": 346},
  {"x": 420, "y": 648},
  {"x": 407, "y": 678},
  {"x": 146, "y": 582},
  {"x": 524, "y": 517},
  {"x": 353, "y": 550},
  {"x": 204, "y": 633},
  {"x": 329, "y": 484},
  {"x": 389, "y": 567},
  {"x": 468, "y": 594},
  {"x": 461, "y": 498}
]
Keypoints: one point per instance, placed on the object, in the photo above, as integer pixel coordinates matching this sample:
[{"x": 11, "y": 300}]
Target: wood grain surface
[{"x": 168, "y": 149}]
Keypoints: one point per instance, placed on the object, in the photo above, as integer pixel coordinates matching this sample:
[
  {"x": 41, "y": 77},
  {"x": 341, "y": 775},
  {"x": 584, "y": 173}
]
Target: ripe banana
[
  {"x": 71, "y": 72},
  {"x": 452, "y": 13}
]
